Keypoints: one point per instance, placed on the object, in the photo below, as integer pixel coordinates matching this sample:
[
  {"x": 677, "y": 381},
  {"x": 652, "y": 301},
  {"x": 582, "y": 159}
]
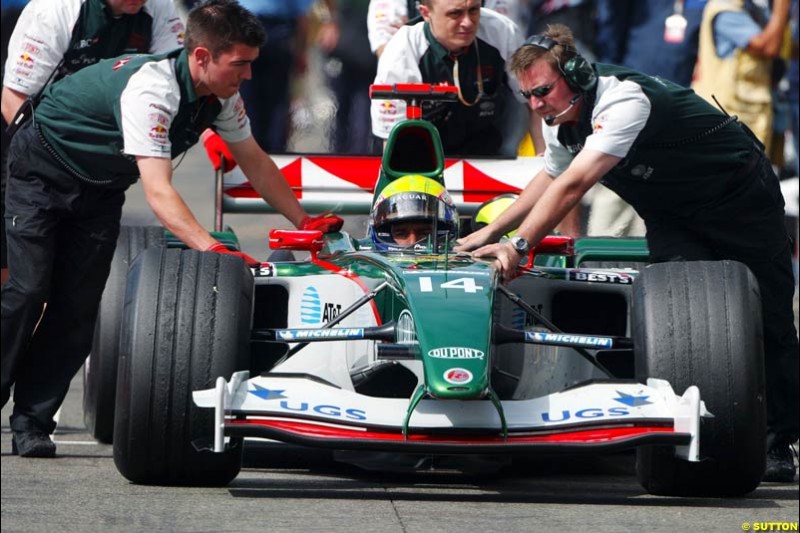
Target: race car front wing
[{"x": 595, "y": 416}]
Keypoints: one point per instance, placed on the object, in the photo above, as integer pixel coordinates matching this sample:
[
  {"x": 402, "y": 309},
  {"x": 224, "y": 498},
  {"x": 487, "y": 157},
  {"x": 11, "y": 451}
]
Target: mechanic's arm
[
  {"x": 383, "y": 21},
  {"x": 167, "y": 204},
  {"x": 266, "y": 178},
  {"x": 561, "y": 196},
  {"x": 11, "y": 102}
]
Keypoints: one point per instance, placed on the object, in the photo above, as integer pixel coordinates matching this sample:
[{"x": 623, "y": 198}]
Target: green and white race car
[{"x": 423, "y": 352}]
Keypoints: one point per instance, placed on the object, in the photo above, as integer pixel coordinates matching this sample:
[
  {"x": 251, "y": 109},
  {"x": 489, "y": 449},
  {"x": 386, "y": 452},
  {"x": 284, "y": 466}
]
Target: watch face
[{"x": 520, "y": 245}]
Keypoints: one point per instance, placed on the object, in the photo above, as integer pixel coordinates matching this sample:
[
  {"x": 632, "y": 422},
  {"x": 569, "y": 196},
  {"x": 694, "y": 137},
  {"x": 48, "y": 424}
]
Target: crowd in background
[
  {"x": 309, "y": 91},
  {"x": 327, "y": 41}
]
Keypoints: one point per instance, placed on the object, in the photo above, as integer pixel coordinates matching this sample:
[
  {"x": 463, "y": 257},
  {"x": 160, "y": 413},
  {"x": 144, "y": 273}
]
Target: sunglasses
[{"x": 539, "y": 92}]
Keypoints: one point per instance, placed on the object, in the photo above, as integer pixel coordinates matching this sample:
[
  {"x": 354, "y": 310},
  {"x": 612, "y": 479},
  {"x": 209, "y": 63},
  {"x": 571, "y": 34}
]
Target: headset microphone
[{"x": 550, "y": 119}]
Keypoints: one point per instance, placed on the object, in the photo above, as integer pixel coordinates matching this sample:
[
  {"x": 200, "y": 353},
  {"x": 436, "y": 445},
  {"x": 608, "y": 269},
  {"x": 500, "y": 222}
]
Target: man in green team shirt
[
  {"x": 56, "y": 38},
  {"x": 698, "y": 178},
  {"x": 94, "y": 134}
]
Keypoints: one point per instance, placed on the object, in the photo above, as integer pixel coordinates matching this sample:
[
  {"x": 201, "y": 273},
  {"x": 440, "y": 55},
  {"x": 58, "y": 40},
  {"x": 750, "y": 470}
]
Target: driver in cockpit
[{"x": 413, "y": 213}]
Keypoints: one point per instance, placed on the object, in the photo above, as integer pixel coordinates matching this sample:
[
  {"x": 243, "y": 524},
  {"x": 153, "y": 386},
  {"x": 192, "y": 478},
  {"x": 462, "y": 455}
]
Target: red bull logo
[{"x": 158, "y": 133}]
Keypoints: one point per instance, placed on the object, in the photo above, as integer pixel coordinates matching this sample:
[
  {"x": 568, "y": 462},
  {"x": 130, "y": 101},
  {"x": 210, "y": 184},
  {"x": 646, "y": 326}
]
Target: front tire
[
  {"x": 100, "y": 370},
  {"x": 187, "y": 321},
  {"x": 699, "y": 323}
]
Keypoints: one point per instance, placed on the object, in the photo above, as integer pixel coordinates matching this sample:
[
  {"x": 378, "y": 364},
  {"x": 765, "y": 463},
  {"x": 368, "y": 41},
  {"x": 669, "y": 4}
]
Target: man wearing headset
[
  {"x": 698, "y": 178},
  {"x": 93, "y": 135}
]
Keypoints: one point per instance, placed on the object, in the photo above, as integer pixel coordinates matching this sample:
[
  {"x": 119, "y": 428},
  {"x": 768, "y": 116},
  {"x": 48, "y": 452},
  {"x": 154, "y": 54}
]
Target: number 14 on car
[{"x": 465, "y": 284}]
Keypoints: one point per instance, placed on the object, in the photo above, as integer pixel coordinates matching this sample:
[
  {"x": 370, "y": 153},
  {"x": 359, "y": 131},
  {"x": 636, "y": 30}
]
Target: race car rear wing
[{"x": 345, "y": 184}]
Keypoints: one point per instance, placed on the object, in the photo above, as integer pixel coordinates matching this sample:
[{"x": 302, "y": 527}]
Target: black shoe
[
  {"x": 34, "y": 443},
  {"x": 780, "y": 464}
]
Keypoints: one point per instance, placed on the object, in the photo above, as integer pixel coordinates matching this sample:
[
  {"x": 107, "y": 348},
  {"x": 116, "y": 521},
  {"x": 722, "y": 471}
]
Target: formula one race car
[{"x": 419, "y": 351}]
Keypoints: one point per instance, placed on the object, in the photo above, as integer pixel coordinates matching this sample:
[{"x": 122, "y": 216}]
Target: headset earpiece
[
  {"x": 577, "y": 71},
  {"x": 579, "y": 74}
]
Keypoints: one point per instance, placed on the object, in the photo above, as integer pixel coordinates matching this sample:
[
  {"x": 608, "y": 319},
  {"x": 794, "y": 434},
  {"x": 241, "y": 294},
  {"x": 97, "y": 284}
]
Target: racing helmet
[
  {"x": 413, "y": 198},
  {"x": 489, "y": 210}
]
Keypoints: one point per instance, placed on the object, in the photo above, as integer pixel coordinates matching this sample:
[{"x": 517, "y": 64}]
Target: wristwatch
[{"x": 519, "y": 244}]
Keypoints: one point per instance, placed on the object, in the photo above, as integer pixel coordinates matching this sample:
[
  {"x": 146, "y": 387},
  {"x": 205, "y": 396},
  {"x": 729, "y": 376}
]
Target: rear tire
[
  {"x": 699, "y": 323},
  {"x": 187, "y": 321},
  {"x": 100, "y": 370}
]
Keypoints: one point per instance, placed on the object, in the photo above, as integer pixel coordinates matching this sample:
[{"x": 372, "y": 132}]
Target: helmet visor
[
  {"x": 407, "y": 219},
  {"x": 409, "y": 206}
]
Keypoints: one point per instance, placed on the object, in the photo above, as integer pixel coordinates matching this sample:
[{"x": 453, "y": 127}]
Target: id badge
[{"x": 675, "y": 28}]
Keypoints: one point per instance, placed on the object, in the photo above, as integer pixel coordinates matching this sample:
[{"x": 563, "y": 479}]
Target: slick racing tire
[
  {"x": 699, "y": 323},
  {"x": 100, "y": 370},
  {"x": 187, "y": 322}
]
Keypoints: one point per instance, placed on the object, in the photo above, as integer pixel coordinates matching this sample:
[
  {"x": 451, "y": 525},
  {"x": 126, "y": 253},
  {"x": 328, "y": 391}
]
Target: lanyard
[{"x": 478, "y": 74}]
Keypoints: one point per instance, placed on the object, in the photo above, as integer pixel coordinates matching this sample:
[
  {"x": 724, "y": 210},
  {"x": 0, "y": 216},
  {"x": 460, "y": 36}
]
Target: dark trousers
[
  {"x": 7, "y": 23},
  {"x": 61, "y": 237},
  {"x": 747, "y": 225},
  {"x": 4, "y": 142}
]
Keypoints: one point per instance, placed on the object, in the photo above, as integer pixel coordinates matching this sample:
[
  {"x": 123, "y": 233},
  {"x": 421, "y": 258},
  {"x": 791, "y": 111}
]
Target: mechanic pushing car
[
  {"x": 409, "y": 211},
  {"x": 463, "y": 45},
  {"x": 698, "y": 178},
  {"x": 94, "y": 134},
  {"x": 54, "y": 38}
]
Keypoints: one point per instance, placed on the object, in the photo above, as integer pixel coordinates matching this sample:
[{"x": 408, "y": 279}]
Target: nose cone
[{"x": 452, "y": 306}]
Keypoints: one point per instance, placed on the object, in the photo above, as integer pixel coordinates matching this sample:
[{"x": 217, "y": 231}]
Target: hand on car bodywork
[
  {"x": 326, "y": 223},
  {"x": 475, "y": 240},
  {"x": 217, "y": 150},
  {"x": 506, "y": 258},
  {"x": 222, "y": 249}
]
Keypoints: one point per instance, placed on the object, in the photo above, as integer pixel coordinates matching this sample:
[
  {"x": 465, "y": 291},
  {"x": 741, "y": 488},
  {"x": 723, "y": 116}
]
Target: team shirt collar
[{"x": 184, "y": 77}]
